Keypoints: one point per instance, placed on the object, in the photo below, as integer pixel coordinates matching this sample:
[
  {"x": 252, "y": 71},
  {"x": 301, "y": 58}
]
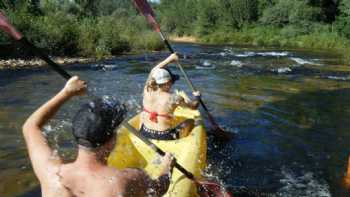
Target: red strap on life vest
[{"x": 153, "y": 116}]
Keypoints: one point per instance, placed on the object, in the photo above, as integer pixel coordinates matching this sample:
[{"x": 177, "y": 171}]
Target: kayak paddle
[
  {"x": 205, "y": 188},
  {"x": 146, "y": 10},
  {"x": 7, "y": 27}
]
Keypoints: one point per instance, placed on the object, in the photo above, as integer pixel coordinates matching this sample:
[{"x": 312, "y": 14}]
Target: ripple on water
[
  {"x": 307, "y": 185},
  {"x": 302, "y": 61}
]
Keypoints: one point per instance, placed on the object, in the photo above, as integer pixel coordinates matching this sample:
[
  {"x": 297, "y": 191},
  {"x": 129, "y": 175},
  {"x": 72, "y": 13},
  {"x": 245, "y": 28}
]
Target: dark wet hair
[{"x": 94, "y": 124}]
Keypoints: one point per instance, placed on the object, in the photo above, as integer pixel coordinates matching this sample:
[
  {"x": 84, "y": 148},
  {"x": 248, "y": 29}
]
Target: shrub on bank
[
  {"x": 321, "y": 37},
  {"x": 65, "y": 34},
  {"x": 56, "y": 32}
]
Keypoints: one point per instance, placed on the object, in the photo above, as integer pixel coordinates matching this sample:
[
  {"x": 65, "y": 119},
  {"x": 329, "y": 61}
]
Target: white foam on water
[
  {"x": 282, "y": 70},
  {"x": 206, "y": 63},
  {"x": 264, "y": 54},
  {"x": 205, "y": 67},
  {"x": 228, "y": 50},
  {"x": 274, "y": 54},
  {"x": 339, "y": 78},
  {"x": 236, "y": 63},
  {"x": 306, "y": 185},
  {"x": 109, "y": 66},
  {"x": 303, "y": 61},
  {"x": 246, "y": 54},
  {"x": 223, "y": 54}
]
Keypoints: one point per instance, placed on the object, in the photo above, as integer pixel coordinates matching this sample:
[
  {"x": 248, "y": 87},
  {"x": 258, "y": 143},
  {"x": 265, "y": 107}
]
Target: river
[{"x": 289, "y": 110}]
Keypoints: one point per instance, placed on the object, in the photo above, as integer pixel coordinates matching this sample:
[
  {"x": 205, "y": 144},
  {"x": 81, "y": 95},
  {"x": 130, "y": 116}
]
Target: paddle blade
[
  {"x": 218, "y": 132},
  {"x": 211, "y": 189},
  {"x": 144, "y": 7},
  {"x": 221, "y": 135},
  {"x": 8, "y": 28}
]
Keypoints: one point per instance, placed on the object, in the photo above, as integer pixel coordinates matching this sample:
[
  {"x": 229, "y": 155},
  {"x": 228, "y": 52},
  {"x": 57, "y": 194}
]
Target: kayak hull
[{"x": 190, "y": 152}]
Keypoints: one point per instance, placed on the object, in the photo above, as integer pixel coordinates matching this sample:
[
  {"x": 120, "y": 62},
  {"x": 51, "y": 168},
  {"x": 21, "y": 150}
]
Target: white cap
[{"x": 161, "y": 76}]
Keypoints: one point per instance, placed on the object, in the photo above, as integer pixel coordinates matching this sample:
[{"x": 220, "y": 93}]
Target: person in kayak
[
  {"x": 93, "y": 129},
  {"x": 159, "y": 104}
]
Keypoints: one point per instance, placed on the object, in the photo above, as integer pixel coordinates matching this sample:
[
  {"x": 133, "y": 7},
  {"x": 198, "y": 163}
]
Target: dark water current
[{"x": 290, "y": 111}]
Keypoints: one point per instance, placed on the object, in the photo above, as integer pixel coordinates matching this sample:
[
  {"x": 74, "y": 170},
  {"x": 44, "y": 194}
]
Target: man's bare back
[
  {"x": 103, "y": 181},
  {"x": 88, "y": 175}
]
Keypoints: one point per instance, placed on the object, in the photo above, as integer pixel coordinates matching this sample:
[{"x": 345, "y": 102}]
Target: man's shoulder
[{"x": 129, "y": 171}]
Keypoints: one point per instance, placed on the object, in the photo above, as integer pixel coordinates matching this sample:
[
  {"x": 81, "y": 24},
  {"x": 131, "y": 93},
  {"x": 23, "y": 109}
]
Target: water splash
[
  {"x": 305, "y": 185},
  {"x": 206, "y": 64},
  {"x": 282, "y": 70},
  {"x": 236, "y": 63}
]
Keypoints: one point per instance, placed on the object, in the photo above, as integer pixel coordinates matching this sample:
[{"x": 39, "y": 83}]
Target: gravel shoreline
[{"x": 32, "y": 63}]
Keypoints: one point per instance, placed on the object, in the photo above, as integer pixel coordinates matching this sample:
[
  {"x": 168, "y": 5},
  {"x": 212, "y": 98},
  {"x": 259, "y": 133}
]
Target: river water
[{"x": 289, "y": 109}]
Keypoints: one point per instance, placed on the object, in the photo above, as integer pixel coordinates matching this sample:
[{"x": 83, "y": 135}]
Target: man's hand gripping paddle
[
  {"x": 146, "y": 10},
  {"x": 205, "y": 188}
]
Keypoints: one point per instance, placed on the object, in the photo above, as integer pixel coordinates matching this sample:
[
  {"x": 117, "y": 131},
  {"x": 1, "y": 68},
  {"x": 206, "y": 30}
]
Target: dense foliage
[
  {"x": 106, "y": 27},
  {"x": 82, "y": 27},
  {"x": 287, "y": 23}
]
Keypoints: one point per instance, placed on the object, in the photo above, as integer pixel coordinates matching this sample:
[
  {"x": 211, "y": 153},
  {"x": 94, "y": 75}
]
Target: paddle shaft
[
  {"x": 189, "y": 82},
  {"x": 44, "y": 57}
]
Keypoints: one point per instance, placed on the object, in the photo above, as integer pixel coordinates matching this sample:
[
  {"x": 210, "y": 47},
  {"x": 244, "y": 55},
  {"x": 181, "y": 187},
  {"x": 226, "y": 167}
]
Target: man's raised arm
[{"x": 40, "y": 153}]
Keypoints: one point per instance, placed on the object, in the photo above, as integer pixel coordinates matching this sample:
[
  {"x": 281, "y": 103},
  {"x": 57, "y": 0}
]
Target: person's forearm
[
  {"x": 46, "y": 111},
  {"x": 164, "y": 62}
]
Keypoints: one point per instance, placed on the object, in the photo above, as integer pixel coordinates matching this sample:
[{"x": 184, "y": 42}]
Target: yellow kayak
[{"x": 190, "y": 152}]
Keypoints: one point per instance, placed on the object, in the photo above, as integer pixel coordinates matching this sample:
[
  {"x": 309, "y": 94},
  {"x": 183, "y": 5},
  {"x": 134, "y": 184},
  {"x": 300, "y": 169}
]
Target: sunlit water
[{"x": 289, "y": 109}]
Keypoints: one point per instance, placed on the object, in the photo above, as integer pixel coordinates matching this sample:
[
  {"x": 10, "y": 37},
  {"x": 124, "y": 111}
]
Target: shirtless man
[{"x": 88, "y": 175}]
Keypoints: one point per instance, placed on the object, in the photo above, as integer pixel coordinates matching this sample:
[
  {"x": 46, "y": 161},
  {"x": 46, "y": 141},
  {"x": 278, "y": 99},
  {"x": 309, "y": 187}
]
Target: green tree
[
  {"x": 292, "y": 12},
  {"x": 208, "y": 16},
  {"x": 107, "y": 7},
  {"x": 329, "y": 9},
  {"x": 178, "y": 16},
  {"x": 343, "y": 20},
  {"x": 238, "y": 12},
  {"x": 264, "y": 4},
  {"x": 88, "y": 7}
]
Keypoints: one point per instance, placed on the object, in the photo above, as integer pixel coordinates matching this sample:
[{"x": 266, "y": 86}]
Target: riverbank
[
  {"x": 274, "y": 37},
  {"x": 333, "y": 43},
  {"x": 21, "y": 63},
  {"x": 184, "y": 39}
]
